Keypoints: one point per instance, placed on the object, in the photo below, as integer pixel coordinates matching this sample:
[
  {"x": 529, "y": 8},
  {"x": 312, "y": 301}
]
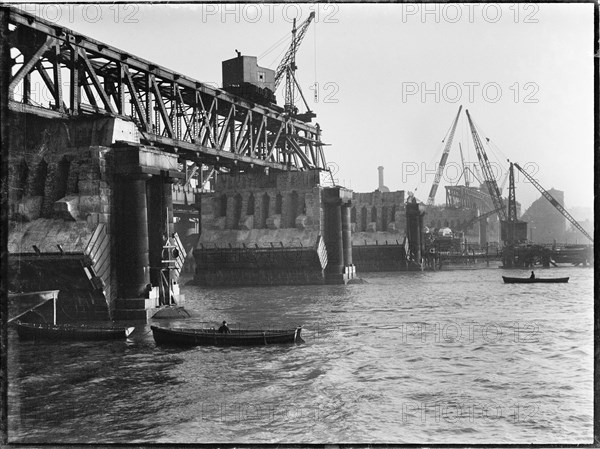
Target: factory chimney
[{"x": 381, "y": 187}]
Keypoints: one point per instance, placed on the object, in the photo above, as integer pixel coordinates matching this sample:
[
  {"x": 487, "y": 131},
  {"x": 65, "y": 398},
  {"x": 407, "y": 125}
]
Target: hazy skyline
[{"x": 392, "y": 76}]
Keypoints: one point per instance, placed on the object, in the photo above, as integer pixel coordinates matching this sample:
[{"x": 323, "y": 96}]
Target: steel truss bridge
[
  {"x": 468, "y": 197},
  {"x": 172, "y": 112}
]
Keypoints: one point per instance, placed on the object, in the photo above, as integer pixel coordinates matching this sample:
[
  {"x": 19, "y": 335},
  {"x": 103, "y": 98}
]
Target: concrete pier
[
  {"x": 349, "y": 268},
  {"x": 414, "y": 230},
  {"x": 83, "y": 215},
  {"x": 274, "y": 228},
  {"x": 333, "y": 237},
  {"x": 338, "y": 240},
  {"x": 132, "y": 236}
]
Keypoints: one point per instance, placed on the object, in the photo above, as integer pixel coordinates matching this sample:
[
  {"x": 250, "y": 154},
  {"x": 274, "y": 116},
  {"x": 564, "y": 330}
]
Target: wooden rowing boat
[
  {"x": 211, "y": 337},
  {"x": 43, "y": 331},
  {"x": 509, "y": 280}
]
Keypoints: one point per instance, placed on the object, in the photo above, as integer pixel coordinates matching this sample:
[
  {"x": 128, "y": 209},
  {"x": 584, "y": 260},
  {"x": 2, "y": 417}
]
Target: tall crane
[
  {"x": 512, "y": 199},
  {"x": 440, "y": 170},
  {"x": 486, "y": 168},
  {"x": 464, "y": 167},
  {"x": 514, "y": 230},
  {"x": 288, "y": 66},
  {"x": 476, "y": 219},
  {"x": 554, "y": 202}
]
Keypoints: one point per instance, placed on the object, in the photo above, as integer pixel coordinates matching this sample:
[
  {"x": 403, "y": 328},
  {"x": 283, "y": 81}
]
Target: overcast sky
[{"x": 392, "y": 76}]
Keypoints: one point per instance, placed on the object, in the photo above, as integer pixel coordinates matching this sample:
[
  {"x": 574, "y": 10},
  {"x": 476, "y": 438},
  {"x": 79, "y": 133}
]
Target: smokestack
[{"x": 380, "y": 168}]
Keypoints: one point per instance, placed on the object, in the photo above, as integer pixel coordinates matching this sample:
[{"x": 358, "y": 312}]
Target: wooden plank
[
  {"x": 95, "y": 234},
  {"x": 92, "y": 250},
  {"x": 104, "y": 260}
]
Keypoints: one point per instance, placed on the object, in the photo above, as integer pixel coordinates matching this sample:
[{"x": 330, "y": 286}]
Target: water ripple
[{"x": 448, "y": 357}]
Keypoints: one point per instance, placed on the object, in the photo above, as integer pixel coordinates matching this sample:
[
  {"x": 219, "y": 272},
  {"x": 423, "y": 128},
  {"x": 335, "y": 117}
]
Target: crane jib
[
  {"x": 438, "y": 175},
  {"x": 554, "y": 202}
]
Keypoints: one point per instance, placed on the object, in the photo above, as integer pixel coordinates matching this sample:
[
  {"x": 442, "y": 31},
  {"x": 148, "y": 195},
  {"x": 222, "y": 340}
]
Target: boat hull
[
  {"x": 210, "y": 337},
  {"x": 34, "y": 331},
  {"x": 509, "y": 280}
]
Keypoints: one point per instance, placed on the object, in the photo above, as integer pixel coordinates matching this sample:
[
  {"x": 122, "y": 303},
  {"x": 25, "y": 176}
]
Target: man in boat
[
  {"x": 532, "y": 276},
  {"x": 224, "y": 329}
]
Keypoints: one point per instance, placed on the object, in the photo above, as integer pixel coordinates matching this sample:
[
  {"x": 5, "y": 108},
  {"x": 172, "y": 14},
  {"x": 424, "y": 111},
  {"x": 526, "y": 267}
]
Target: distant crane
[
  {"x": 477, "y": 175},
  {"x": 440, "y": 170},
  {"x": 554, "y": 202},
  {"x": 488, "y": 176},
  {"x": 476, "y": 219},
  {"x": 464, "y": 167},
  {"x": 288, "y": 67},
  {"x": 512, "y": 199},
  {"x": 513, "y": 227}
]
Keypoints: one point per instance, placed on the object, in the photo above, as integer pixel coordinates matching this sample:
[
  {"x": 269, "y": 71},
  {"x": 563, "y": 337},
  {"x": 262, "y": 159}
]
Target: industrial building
[{"x": 546, "y": 224}]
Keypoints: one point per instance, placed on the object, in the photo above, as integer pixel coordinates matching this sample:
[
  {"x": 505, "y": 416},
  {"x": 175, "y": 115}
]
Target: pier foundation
[{"x": 285, "y": 228}]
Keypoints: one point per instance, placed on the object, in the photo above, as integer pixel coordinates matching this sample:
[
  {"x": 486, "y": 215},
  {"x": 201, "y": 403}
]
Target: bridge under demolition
[
  {"x": 131, "y": 169},
  {"x": 97, "y": 175}
]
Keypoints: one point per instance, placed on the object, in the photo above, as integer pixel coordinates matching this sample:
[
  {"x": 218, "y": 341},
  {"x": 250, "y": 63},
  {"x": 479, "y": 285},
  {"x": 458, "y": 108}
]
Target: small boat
[
  {"x": 211, "y": 337},
  {"x": 43, "y": 331},
  {"x": 509, "y": 280}
]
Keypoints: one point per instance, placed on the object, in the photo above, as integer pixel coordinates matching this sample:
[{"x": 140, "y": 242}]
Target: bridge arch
[
  {"x": 237, "y": 211},
  {"x": 21, "y": 176},
  {"x": 62, "y": 178},
  {"x": 363, "y": 218},
  {"x": 384, "y": 218},
  {"x": 250, "y": 206},
  {"x": 223, "y": 206},
  {"x": 37, "y": 185},
  {"x": 292, "y": 211},
  {"x": 265, "y": 204}
]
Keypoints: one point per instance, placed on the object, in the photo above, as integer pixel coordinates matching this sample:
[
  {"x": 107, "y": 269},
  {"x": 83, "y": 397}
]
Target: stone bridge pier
[
  {"x": 89, "y": 211},
  {"x": 260, "y": 228},
  {"x": 143, "y": 179},
  {"x": 338, "y": 239}
]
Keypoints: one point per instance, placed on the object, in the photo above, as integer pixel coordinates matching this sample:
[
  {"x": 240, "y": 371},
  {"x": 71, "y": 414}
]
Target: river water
[{"x": 445, "y": 357}]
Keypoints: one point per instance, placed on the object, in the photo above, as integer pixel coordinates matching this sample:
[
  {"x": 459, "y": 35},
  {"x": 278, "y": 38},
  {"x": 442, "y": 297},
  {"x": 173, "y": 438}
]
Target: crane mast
[
  {"x": 487, "y": 172},
  {"x": 440, "y": 170},
  {"x": 478, "y": 218},
  {"x": 512, "y": 199},
  {"x": 464, "y": 167},
  {"x": 554, "y": 202},
  {"x": 288, "y": 67}
]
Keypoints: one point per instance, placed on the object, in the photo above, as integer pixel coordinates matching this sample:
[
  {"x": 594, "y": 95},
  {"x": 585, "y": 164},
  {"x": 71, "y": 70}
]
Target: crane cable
[
  {"x": 286, "y": 37},
  {"x": 491, "y": 145},
  {"x": 316, "y": 86}
]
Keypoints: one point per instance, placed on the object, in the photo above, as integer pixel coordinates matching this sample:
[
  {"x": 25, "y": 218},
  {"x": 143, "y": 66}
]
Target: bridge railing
[{"x": 183, "y": 195}]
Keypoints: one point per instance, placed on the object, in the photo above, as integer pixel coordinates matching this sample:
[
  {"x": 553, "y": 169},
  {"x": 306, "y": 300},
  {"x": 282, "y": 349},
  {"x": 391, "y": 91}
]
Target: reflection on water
[{"x": 453, "y": 357}]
